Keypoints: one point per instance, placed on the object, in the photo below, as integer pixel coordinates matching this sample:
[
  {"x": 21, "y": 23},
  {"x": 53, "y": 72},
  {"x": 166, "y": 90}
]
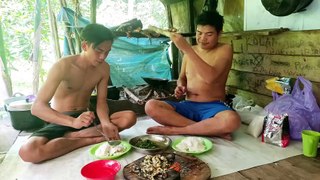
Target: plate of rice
[
  {"x": 192, "y": 145},
  {"x": 105, "y": 151}
]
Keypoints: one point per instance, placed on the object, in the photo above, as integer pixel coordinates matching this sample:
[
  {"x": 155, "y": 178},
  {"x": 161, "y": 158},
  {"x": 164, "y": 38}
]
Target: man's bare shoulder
[
  {"x": 103, "y": 68},
  {"x": 217, "y": 47},
  {"x": 222, "y": 47},
  {"x": 66, "y": 61}
]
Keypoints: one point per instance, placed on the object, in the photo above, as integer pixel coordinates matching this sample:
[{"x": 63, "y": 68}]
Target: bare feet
[
  {"x": 169, "y": 130},
  {"x": 226, "y": 136},
  {"x": 161, "y": 130},
  {"x": 98, "y": 139},
  {"x": 82, "y": 134}
]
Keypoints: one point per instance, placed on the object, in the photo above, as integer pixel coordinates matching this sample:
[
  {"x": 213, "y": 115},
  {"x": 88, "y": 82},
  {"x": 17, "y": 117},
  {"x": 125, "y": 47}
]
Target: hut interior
[{"x": 267, "y": 42}]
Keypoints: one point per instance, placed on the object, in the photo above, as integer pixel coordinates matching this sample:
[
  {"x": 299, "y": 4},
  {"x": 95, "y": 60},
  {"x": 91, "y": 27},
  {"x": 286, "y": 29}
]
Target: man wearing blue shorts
[{"x": 202, "y": 82}]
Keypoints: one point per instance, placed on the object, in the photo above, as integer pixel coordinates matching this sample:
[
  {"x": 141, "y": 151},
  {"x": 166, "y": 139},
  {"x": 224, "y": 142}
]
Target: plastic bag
[
  {"x": 246, "y": 109},
  {"x": 256, "y": 126},
  {"x": 301, "y": 107},
  {"x": 240, "y": 103},
  {"x": 279, "y": 85},
  {"x": 276, "y": 130}
]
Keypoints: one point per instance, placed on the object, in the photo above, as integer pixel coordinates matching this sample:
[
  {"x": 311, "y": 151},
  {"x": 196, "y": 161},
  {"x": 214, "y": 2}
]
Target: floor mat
[
  {"x": 226, "y": 157},
  {"x": 7, "y": 133}
]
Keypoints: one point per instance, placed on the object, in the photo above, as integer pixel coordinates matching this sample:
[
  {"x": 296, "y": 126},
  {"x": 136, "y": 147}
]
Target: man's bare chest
[{"x": 80, "y": 81}]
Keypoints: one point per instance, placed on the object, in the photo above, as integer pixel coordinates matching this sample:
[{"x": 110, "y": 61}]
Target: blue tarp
[
  {"x": 69, "y": 16},
  {"x": 133, "y": 58},
  {"x": 130, "y": 58}
]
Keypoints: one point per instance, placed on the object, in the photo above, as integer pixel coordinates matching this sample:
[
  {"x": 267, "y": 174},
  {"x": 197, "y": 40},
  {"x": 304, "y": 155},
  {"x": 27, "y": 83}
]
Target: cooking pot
[
  {"x": 155, "y": 82},
  {"x": 285, "y": 7}
]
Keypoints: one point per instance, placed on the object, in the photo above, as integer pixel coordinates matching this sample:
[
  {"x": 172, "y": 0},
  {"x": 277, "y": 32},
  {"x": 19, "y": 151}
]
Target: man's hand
[
  {"x": 111, "y": 131},
  {"x": 84, "y": 120},
  {"x": 180, "y": 91}
]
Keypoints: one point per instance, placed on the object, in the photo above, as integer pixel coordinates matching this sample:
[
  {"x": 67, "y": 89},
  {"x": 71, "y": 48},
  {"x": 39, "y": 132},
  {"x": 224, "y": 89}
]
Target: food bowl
[
  {"x": 101, "y": 170},
  {"x": 148, "y": 144}
]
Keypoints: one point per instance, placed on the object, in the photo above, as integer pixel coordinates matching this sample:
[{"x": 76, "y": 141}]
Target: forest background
[{"x": 26, "y": 42}]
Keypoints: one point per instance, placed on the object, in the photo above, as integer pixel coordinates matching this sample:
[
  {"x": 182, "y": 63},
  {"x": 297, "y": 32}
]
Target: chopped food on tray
[
  {"x": 107, "y": 150},
  {"x": 157, "y": 167},
  {"x": 191, "y": 144}
]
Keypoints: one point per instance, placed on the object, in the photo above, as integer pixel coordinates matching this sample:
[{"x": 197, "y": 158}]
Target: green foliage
[
  {"x": 114, "y": 12},
  {"x": 18, "y": 22}
]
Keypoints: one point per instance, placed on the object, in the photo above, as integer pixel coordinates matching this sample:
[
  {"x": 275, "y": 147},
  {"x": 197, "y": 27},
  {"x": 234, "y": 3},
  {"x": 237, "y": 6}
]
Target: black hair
[
  {"x": 96, "y": 34},
  {"x": 212, "y": 18}
]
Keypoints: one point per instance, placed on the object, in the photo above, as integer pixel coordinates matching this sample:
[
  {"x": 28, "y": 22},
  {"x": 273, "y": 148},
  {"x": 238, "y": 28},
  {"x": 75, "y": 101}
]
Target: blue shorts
[{"x": 198, "y": 111}]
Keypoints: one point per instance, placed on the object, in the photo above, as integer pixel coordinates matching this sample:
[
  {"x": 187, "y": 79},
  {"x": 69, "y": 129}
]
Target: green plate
[
  {"x": 95, "y": 147},
  {"x": 207, "y": 143}
]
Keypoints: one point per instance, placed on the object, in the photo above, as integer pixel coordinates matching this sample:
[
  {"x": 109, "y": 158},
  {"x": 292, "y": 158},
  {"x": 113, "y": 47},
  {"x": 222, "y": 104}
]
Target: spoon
[{"x": 110, "y": 142}]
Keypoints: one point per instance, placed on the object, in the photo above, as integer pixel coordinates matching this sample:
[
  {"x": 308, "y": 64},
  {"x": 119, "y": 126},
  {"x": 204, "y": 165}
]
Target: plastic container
[
  {"x": 310, "y": 142},
  {"x": 101, "y": 170},
  {"x": 20, "y": 114}
]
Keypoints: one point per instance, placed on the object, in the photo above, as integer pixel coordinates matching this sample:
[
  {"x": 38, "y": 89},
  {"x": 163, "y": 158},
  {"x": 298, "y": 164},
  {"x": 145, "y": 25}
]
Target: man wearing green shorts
[{"x": 68, "y": 89}]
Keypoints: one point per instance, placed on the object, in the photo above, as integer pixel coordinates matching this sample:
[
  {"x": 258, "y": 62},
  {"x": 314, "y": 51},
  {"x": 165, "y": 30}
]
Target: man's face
[
  {"x": 99, "y": 53},
  {"x": 206, "y": 36}
]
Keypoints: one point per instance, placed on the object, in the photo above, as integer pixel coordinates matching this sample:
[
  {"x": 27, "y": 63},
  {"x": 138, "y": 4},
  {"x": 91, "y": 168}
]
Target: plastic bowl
[{"x": 101, "y": 170}]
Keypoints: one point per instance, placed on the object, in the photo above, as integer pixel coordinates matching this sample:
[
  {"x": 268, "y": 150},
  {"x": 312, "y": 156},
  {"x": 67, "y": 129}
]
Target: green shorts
[{"x": 52, "y": 131}]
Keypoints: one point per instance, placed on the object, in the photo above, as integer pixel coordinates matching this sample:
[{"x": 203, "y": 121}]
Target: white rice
[
  {"x": 107, "y": 150},
  {"x": 191, "y": 144}
]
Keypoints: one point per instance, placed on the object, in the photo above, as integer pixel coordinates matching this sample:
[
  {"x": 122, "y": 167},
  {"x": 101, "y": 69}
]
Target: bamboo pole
[
  {"x": 5, "y": 75},
  {"x": 54, "y": 32},
  {"x": 160, "y": 31},
  {"x": 36, "y": 48},
  {"x": 93, "y": 11},
  {"x": 167, "y": 32}
]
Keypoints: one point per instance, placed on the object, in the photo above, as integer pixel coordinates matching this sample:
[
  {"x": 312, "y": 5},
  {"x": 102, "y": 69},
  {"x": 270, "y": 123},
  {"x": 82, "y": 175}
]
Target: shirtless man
[
  {"x": 69, "y": 85},
  {"x": 202, "y": 80}
]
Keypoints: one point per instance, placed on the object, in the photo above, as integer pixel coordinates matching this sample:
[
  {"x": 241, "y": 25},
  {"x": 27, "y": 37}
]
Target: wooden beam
[{"x": 278, "y": 65}]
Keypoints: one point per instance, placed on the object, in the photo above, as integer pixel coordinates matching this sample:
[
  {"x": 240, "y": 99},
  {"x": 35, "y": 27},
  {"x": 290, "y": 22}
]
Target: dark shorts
[
  {"x": 52, "y": 131},
  {"x": 198, "y": 111}
]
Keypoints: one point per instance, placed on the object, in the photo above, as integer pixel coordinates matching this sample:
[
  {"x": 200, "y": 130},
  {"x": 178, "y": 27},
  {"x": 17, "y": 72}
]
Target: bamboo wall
[{"x": 262, "y": 55}]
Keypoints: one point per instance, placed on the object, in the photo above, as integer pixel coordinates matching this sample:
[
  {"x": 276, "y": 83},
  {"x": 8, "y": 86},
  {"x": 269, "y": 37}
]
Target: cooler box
[{"x": 20, "y": 114}]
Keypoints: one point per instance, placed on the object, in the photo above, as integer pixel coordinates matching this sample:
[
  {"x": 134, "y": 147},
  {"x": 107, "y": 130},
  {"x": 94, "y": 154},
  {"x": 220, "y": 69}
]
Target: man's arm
[
  {"x": 203, "y": 69},
  {"x": 109, "y": 129},
  {"x": 181, "y": 88},
  {"x": 41, "y": 107},
  {"x": 102, "y": 106},
  {"x": 182, "y": 80}
]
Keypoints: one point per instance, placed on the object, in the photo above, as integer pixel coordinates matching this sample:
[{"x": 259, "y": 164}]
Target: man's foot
[
  {"x": 89, "y": 132},
  {"x": 98, "y": 139},
  {"x": 164, "y": 130},
  {"x": 226, "y": 136},
  {"x": 169, "y": 130}
]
